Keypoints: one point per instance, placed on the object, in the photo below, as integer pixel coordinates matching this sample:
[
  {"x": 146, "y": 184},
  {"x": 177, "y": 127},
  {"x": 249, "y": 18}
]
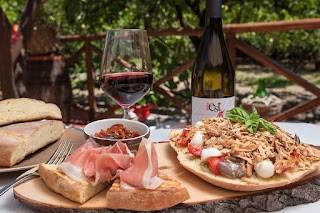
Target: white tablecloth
[{"x": 308, "y": 133}]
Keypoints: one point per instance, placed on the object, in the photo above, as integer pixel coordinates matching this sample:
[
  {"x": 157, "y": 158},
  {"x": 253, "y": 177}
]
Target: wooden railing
[{"x": 233, "y": 44}]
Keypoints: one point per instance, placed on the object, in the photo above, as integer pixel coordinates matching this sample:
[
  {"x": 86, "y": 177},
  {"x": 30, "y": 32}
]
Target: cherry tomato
[
  {"x": 183, "y": 142},
  {"x": 213, "y": 164},
  {"x": 185, "y": 133},
  {"x": 184, "y": 138},
  {"x": 195, "y": 149}
]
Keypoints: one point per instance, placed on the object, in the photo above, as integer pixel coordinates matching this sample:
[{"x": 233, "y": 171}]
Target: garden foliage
[{"x": 91, "y": 16}]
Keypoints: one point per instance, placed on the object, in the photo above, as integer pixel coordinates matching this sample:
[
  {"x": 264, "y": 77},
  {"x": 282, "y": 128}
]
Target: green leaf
[
  {"x": 254, "y": 115},
  {"x": 252, "y": 125},
  {"x": 252, "y": 121},
  {"x": 238, "y": 114},
  {"x": 267, "y": 126}
]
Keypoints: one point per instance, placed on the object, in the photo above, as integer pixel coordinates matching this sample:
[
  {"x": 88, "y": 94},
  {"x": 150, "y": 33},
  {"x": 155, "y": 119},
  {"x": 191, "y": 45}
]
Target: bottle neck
[
  {"x": 213, "y": 13},
  {"x": 215, "y": 24},
  {"x": 213, "y": 8}
]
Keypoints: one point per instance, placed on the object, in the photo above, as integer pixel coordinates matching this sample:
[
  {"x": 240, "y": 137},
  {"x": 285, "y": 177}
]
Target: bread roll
[
  {"x": 59, "y": 182},
  {"x": 26, "y": 109},
  {"x": 21, "y": 139}
]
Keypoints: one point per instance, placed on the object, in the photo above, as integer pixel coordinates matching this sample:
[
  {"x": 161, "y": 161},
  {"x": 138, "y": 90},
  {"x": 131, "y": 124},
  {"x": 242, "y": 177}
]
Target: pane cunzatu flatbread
[{"x": 247, "y": 155}]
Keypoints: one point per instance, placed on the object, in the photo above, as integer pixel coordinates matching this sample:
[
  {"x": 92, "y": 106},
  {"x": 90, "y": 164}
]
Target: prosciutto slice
[
  {"x": 97, "y": 163},
  {"x": 143, "y": 172}
]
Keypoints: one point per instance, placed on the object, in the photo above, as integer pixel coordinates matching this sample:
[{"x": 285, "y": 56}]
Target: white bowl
[{"x": 135, "y": 126}]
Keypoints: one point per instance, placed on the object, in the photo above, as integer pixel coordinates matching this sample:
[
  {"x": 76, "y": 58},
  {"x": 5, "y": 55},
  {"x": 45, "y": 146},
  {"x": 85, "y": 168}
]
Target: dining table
[{"x": 308, "y": 133}]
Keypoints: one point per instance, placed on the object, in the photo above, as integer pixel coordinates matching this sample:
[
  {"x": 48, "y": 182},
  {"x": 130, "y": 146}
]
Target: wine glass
[{"x": 126, "y": 71}]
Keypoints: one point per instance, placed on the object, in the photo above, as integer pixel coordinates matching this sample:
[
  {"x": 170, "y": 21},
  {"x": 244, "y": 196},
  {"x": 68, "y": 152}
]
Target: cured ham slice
[
  {"x": 79, "y": 156},
  {"x": 109, "y": 165},
  {"x": 143, "y": 172},
  {"x": 97, "y": 163}
]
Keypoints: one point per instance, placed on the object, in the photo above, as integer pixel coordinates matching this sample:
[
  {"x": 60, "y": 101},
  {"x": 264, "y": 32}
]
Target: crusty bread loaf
[
  {"x": 21, "y": 139},
  {"x": 26, "y": 109},
  {"x": 168, "y": 194},
  {"x": 59, "y": 182},
  {"x": 253, "y": 183}
]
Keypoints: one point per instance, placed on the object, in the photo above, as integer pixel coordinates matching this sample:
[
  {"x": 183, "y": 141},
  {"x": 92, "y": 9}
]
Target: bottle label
[{"x": 210, "y": 107}]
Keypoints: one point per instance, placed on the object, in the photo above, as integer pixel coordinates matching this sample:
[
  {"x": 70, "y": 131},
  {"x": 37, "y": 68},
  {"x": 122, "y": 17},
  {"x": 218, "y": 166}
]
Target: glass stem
[{"x": 126, "y": 112}]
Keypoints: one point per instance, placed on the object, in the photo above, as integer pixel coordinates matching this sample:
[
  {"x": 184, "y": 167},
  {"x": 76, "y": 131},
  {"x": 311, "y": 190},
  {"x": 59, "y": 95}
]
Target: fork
[{"x": 59, "y": 155}]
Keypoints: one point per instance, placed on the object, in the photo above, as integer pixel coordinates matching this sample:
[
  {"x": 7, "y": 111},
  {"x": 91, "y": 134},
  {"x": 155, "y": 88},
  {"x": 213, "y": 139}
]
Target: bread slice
[
  {"x": 26, "y": 109},
  {"x": 21, "y": 139},
  {"x": 59, "y": 182},
  {"x": 253, "y": 183},
  {"x": 168, "y": 194}
]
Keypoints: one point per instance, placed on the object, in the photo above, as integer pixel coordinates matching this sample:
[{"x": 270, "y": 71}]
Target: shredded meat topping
[{"x": 240, "y": 144}]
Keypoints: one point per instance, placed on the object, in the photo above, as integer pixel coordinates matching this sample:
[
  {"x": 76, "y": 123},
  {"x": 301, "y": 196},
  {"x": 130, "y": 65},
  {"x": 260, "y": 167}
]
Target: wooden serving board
[{"x": 204, "y": 196}]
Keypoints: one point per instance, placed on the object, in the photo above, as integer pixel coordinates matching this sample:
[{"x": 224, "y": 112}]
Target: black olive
[{"x": 231, "y": 169}]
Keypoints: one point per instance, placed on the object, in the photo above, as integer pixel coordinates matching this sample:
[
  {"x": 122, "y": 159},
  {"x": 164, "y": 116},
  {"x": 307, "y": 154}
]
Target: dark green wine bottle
[
  {"x": 261, "y": 90},
  {"x": 213, "y": 77}
]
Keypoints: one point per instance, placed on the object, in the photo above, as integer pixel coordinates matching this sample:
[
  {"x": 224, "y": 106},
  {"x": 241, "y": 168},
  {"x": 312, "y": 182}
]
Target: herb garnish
[{"x": 252, "y": 121}]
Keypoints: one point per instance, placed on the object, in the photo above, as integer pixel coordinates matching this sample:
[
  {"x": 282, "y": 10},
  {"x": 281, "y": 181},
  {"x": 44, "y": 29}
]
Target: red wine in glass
[
  {"x": 126, "y": 88},
  {"x": 126, "y": 69}
]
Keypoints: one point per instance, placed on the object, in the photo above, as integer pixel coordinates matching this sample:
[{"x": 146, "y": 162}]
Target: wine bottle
[
  {"x": 261, "y": 90},
  {"x": 213, "y": 77}
]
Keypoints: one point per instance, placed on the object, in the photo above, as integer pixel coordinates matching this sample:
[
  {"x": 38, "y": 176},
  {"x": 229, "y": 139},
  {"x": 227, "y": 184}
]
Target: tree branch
[
  {"x": 6, "y": 70},
  {"x": 28, "y": 17},
  {"x": 26, "y": 24},
  {"x": 195, "y": 40}
]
